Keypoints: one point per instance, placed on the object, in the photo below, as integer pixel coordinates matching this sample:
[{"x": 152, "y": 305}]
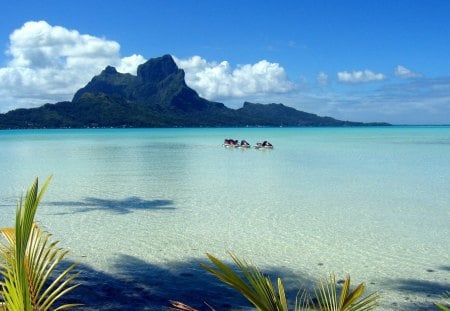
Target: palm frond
[
  {"x": 253, "y": 285},
  {"x": 45, "y": 257},
  {"x": 304, "y": 301},
  {"x": 442, "y": 306},
  {"x": 15, "y": 290},
  {"x": 262, "y": 293},
  {"x": 29, "y": 261},
  {"x": 349, "y": 300}
]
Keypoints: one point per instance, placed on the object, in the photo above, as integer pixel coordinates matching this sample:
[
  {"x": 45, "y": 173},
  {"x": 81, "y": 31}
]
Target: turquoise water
[{"x": 370, "y": 202}]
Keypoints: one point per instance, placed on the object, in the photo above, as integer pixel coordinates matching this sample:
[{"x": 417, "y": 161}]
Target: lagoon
[{"x": 139, "y": 208}]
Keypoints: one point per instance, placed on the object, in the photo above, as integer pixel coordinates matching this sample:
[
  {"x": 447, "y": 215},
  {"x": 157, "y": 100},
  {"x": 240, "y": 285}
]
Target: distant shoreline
[{"x": 230, "y": 127}]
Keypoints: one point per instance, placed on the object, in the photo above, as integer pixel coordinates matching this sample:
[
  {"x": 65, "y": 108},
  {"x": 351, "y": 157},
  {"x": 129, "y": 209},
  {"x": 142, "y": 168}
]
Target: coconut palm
[
  {"x": 259, "y": 290},
  {"x": 29, "y": 261}
]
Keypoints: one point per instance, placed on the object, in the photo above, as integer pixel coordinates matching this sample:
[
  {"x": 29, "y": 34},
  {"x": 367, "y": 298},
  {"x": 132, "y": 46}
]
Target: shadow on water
[
  {"x": 430, "y": 291},
  {"x": 421, "y": 287},
  {"x": 134, "y": 284},
  {"x": 122, "y": 206},
  {"x": 139, "y": 285}
]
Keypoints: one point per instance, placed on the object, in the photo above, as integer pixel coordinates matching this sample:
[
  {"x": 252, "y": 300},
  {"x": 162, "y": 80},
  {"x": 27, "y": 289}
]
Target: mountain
[{"x": 156, "y": 97}]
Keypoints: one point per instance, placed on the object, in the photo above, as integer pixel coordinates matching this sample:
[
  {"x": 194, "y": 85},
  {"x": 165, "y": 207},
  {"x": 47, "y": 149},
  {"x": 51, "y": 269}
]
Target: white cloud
[
  {"x": 322, "y": 79},
  {"x": 50, "y": 63},
  {"x": 129, "y": 64},
  {"x": 214, "y": 80},
  {"x": 39, "y": 45},
  {"x": 359, "y": 76},
  {"x": 405, "y": 73}
]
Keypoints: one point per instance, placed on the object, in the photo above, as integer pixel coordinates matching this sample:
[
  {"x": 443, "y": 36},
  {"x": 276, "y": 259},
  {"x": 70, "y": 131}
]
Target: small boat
[
  {"x": 264, "y": 145},
  {"x": 234, "y": 143},
  {"x": 244, "y": 144},
  {"x": 231, "y": 143}
]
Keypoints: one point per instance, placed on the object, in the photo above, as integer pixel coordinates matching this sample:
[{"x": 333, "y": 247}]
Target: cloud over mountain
[
  {"x": 219, "y": 80},
  {"x": 49, "y": 63}
]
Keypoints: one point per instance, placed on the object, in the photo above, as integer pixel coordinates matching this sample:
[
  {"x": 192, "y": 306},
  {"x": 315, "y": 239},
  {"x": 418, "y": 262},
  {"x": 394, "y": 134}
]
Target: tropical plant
[
  {"x": 328, "y": 299},
  {"x": 441, "y": 306},
  {"x": 30, "y": 280},
  {"x": 259, "y": 290}
]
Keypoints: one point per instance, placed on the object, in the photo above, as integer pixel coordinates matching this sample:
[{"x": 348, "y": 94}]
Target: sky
[{"x": 352, "y": 60}]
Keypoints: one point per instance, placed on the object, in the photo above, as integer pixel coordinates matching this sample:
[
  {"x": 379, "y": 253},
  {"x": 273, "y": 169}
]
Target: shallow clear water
[{"x": 370, "y": 202}]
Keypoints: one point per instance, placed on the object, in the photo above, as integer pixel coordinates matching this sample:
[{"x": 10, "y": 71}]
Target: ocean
[{"x": 140, "y": 208}]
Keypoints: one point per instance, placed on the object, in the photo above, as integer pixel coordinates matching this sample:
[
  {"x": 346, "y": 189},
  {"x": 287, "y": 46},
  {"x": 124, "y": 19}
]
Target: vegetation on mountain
[{"x": 156, "y": 97}]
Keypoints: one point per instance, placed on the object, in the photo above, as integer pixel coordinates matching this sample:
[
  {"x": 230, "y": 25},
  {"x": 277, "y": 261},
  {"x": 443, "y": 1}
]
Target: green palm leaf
[
  {"x": 259, "y": 290},
  {"x": 443, "y": 307},
  {"x": 253, "y": 285},
  {"x": 28, "y": 262},
  {"x": 327, "y": 297}
]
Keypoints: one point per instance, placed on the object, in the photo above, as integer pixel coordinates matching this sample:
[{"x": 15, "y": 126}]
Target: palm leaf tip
[{"x": 442, "y": 306}]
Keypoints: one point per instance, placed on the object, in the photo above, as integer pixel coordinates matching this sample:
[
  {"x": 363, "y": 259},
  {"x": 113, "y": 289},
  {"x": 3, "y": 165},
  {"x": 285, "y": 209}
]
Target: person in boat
[
  {"x": 267, "y": 144},
  {"x": 231, "y": 142},
  {"x": 244, "y": 143}
]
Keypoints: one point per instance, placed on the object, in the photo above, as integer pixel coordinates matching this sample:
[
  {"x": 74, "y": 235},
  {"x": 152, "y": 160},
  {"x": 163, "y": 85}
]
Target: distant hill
[{"x": 157, "y": 97}]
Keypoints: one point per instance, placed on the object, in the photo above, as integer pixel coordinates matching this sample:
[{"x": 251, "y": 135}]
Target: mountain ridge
[{"x": 157, "y": 96}]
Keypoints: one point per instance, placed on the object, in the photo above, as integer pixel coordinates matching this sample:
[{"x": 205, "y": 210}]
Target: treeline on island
[{"x": 156, "y": 97}]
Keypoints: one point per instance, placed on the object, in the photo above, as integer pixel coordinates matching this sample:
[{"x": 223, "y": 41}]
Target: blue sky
[{"x": 352, "y": 60}]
